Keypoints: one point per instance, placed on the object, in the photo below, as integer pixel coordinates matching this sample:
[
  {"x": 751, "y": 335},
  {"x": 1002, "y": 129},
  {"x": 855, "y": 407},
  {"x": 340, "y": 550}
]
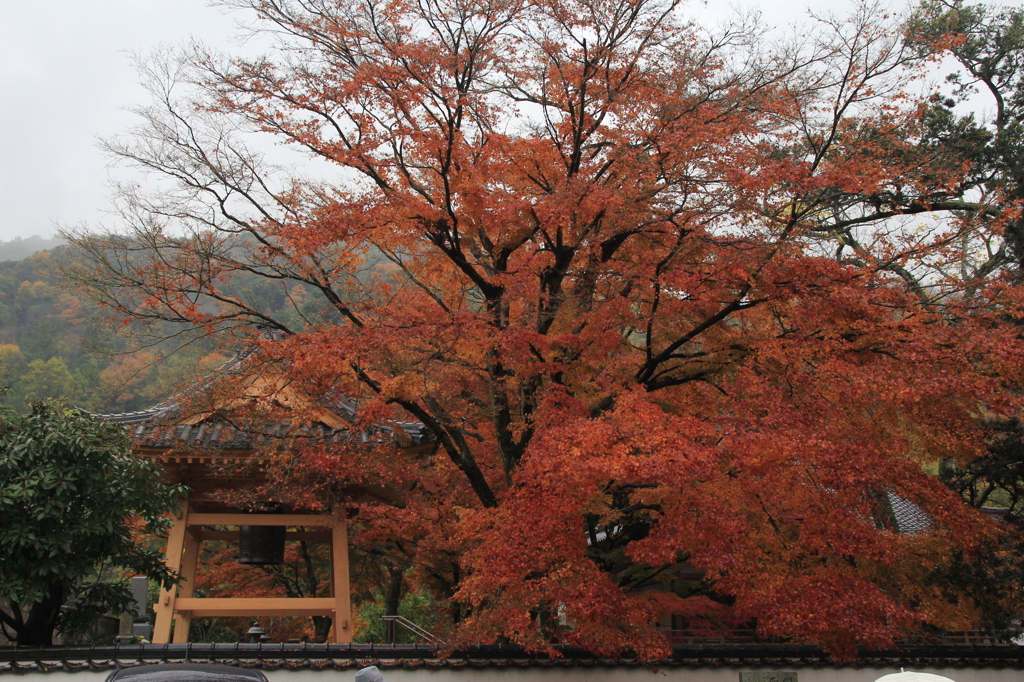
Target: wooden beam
[
  {"x": 290, "y": 536},
  {"x": 256, "y": 606},
  {"x": 216, "y": 519}
]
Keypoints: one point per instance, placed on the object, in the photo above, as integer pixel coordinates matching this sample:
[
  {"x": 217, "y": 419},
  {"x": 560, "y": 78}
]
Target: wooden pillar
[
  {"x": 340, "y": 588},
  {"x": 164, "y": 606},
  {"x": 189, "y": 569}
]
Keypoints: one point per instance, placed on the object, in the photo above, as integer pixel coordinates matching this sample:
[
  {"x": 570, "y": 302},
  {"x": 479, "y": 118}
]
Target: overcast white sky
[
  {"x": 66, "y": 76},
  {"x": 64, "y": 79}
]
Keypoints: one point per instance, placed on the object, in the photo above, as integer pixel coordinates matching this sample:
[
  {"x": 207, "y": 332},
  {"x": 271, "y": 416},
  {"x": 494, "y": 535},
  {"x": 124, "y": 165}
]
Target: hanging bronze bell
[{"x": 261, "y": 545}]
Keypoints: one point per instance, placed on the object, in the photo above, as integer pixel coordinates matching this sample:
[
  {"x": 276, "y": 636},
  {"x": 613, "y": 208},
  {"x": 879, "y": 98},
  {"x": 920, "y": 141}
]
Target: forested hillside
[{"x": 55, "y": 343}]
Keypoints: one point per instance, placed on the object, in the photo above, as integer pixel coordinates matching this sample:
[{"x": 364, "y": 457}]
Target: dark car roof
[{"x": 186, "y": 672}]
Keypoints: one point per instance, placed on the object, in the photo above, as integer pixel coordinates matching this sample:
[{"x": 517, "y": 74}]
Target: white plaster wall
[{"x": 571, "y": 675}]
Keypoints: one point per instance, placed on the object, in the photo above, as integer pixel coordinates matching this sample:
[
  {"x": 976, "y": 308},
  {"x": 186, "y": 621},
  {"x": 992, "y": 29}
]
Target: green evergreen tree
[{"x": 70, "y": 487}]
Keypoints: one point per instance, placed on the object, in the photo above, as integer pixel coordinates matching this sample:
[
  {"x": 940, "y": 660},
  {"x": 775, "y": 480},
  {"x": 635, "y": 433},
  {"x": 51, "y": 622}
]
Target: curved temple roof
[
  {"x": 165, "y": 425},
  {"x": 156, "y": 428}
]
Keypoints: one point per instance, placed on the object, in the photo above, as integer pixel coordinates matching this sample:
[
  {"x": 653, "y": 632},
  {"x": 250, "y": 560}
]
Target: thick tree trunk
[
  {"x": 39, "y": 626},
  {"x": 392, "y": 600},
  {"x": 322, "y": 628}
]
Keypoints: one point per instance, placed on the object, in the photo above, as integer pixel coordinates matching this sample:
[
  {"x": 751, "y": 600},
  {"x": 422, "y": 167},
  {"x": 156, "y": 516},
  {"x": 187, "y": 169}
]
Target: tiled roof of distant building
[{"x": 910, "y": 518}]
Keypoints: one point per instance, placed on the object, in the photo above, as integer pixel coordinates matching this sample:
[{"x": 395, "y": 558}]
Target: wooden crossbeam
[
  {"x": 205, "y": 519},
  {"x": 205, "y": 607},
  {"x": 290, "y": 536}
]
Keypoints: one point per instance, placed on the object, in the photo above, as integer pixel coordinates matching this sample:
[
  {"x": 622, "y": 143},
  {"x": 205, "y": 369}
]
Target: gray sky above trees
[{"x": 66, "y": 76}]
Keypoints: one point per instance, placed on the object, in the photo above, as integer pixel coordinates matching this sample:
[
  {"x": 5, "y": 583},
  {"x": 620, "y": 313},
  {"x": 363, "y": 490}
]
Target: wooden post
[
  {"x": 340, "y": 588},
  {"x": 164, "y": 606},
  {"x": 189, "y": 569}
]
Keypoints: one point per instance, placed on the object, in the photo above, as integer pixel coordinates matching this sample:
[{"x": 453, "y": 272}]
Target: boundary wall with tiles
[{"x": 418, "y": 663}]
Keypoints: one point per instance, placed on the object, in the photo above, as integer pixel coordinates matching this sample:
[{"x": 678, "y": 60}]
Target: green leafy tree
[
  {"x": 72, "y": 498},
  {"x": 986, "y": 46},
  {"x": 49, "y": 379},
  {"x": 993, "y": 483},
  {"x": 418, "y": 607},
  {"x": 11, "y": 366},
  {"x": 986, "y": 43}
]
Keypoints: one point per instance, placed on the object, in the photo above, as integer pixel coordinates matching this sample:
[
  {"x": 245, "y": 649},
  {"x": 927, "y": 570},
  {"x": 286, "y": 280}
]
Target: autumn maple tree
[{"x": 681, "y": 307}]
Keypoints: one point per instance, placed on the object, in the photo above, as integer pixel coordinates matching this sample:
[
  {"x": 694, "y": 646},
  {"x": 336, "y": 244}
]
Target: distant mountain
[
  {"x": 55, "y": 342},
  {"x": 19, "y": 248}
]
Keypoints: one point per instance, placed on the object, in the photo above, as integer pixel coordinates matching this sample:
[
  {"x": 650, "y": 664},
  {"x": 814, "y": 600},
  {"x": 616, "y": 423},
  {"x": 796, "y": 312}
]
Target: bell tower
[
  {"x": 178, "y": 605},
  {"x": 211, "y": 455}
]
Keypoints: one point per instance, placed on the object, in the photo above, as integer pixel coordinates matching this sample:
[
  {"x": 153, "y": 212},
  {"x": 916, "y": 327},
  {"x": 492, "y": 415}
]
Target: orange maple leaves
[{"x": 638, "y": 286}]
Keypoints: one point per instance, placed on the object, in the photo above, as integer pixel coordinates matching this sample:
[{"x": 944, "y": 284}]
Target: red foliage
[{"x": 637, "y": 282}]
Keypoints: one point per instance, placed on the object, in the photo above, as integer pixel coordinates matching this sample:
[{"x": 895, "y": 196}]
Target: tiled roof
[
  {"x": 158, "y": 432},
  {"x": 418, "y": 656},
  {"x": 910, "y": 518},
  {"x": 138, "y": 417},
  {"x": 156, "y": 427}
]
